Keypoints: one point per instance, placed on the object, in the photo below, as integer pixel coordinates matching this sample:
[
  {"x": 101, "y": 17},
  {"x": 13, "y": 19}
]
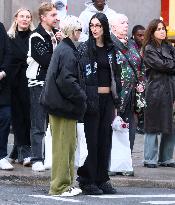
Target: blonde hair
[
  {"x": 12, "y": 31},
  {"x": 68, "y": 25},
  {"x": 44, "y": 8}
]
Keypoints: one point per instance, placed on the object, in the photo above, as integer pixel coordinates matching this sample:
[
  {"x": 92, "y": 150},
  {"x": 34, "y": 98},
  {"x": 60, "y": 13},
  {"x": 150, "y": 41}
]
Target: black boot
[
  {"x": 107, "y": 188},
  {"x": 90, "y": 189}
]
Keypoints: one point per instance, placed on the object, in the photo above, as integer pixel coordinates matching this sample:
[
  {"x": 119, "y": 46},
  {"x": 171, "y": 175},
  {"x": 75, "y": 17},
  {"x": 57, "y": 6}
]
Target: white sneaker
[
  {"x": 47, "y": 166},
  {"x": 38, "y": 167},
  {"x": 5, "y": 165},
  {"x": 73, "y": 191},
  {"x": 26, "y": 161}
]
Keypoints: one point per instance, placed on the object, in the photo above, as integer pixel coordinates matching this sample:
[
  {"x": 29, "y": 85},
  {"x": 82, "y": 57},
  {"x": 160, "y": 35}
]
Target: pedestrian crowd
[{"x": 85, "y": 71}]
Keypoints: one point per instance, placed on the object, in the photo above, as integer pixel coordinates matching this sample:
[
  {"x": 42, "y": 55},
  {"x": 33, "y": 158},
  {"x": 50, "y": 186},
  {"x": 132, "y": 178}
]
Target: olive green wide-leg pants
[{"x": 63, "y": 148}]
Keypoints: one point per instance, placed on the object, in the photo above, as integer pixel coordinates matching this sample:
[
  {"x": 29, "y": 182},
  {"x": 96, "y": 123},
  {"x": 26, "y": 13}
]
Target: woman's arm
[{"x": 153, "y": 60}]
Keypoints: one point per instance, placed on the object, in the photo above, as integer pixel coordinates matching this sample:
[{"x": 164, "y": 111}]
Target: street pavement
[
  {"x": 38, "y": 195},
  {"x": 161, "y": 177}
]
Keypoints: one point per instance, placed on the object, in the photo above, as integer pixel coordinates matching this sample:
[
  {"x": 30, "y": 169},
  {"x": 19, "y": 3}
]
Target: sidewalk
[{"x": 144, "y": 177}]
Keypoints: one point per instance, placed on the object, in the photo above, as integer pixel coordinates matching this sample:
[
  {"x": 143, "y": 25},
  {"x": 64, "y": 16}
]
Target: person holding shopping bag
[{"x": 130, "y": 60}]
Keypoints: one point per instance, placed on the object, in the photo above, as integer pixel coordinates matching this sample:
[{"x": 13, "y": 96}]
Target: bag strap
[{"x": 114, "y": 91}]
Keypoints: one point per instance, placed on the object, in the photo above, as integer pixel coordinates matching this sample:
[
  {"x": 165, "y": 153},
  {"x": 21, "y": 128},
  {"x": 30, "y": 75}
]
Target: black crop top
[{"x": 103, "y": 68}]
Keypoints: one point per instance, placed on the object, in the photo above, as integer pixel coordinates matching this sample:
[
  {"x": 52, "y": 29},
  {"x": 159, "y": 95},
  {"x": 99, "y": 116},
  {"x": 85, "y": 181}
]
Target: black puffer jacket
[
  {"x": 160, "y": 88},
  {"x": 63, "y": 94},
  {"x": 89, "y": 67}
]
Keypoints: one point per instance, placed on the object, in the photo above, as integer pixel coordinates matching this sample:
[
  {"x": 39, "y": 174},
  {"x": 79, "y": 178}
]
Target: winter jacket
[
  {"x": 133, "y": 71},
  {"x": 63, "y": 93},
  {"x": 86, "y": 15},
  {"x": 160, "y": 88},
  {"x": 41, "y": 52},
  {"x": 4, "y": 66},
  {"x": 89, "y": 68},
  {"x": 19, "y": 49}
]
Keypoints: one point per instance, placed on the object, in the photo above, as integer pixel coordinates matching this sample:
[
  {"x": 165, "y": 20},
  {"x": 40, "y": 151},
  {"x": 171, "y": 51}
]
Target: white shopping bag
[
  {"x": 48, "y": 149},
  {"x": 81, "y": 148},
  {"x": 121, "y": 160}
]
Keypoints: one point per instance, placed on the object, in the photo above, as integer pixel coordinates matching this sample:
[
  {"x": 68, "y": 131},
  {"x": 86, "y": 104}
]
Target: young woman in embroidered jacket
[
  {"x": 159, "y": 58},
  {"x": 102, "y": 75},
  {"x": 65, "y": 100},
  {"x": 19, "y": 35}
]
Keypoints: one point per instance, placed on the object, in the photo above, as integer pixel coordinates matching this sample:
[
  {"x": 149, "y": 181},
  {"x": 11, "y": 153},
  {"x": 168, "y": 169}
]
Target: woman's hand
[
  {"x": 58, "y": 35},
  {"x": 2, "y": 75},
  {"x": 140, "y": 88}
]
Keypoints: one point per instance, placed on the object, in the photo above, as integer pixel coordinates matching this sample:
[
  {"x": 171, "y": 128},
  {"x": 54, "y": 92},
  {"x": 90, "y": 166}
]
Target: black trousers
[
  {"x": 98, "y": 132},
  {"x": 20, "y": 115},
  {"x": 5, "y": 119}
]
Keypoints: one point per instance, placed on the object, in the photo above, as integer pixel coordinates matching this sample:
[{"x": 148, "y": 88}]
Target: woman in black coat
[
  {"x": 5, "y": 109},
  {"x": 159, "y": 58},
  {"x": 19, "y": 35}
]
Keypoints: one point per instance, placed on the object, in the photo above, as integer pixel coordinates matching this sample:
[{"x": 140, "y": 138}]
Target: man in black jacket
[
  {"x": 5, "y": 113},
  {"x": 41, "y": 44}
]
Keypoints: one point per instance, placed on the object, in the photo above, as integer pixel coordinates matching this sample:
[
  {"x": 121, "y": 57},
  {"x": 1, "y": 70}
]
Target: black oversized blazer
[{"x": 4, "y": 65}]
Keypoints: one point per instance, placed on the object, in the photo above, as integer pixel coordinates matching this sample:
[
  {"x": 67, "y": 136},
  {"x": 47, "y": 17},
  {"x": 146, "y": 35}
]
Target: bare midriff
[{"x": 104, "y": 90}]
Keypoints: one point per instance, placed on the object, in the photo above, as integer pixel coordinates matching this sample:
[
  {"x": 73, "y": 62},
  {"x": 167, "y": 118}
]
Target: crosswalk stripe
[
  {"x": 132, "y": 196},
  {"x": 159, "y": 202},
  {"x": 56, "y": 198}
]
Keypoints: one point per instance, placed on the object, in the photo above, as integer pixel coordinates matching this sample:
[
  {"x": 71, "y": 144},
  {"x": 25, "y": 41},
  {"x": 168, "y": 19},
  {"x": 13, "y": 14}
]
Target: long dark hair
[
  {"x": 149, "y": 33},
  {"x": 106, "y": 34}
]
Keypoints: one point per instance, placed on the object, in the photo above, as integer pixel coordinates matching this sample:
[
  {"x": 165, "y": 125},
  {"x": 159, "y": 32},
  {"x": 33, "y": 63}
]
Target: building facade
[{"x": 138, "y": 11}]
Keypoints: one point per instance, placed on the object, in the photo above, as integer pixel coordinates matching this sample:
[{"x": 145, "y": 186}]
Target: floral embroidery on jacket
[{"x": 127, "y": 56}]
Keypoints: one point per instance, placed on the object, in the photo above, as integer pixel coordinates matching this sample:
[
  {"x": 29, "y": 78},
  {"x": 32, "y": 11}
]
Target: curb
[
  {"x": 142, "y": 183},
  {"x": 25, "y": 180}
]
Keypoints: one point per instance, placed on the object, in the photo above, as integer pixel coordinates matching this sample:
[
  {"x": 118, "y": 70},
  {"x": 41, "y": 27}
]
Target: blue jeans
[
  {"x": 5, "y": 119},
  {"x": 161, "y": 155},
  {"x": 38, "y": 123}
]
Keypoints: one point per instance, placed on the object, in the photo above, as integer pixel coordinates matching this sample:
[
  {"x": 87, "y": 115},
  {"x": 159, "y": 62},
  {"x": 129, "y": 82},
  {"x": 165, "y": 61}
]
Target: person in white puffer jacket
[{"x": 93, "y": 7}]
